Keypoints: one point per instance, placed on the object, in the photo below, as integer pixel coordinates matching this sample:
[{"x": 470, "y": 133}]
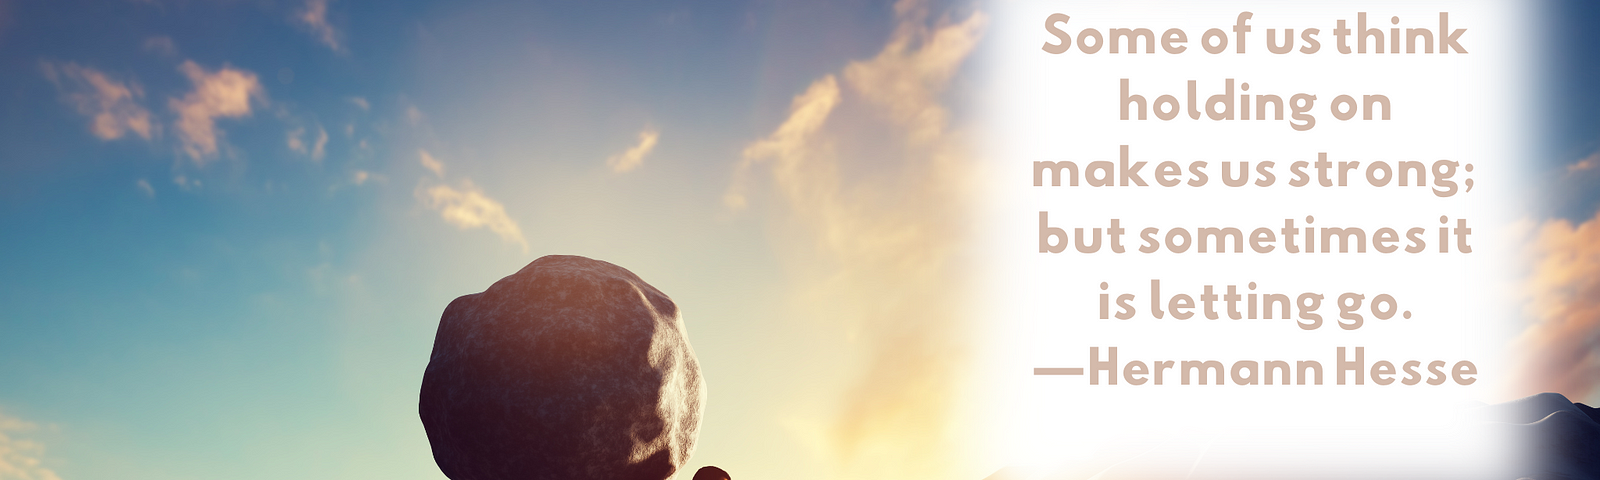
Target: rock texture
[
  {"x": 569, "y": 369},
  {"x": 711, "y": 473}
]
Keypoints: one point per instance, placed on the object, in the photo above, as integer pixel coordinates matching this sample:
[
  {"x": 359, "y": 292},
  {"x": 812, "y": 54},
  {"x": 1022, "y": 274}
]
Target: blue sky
[
  {"x": 190, "y": 291},
  {"x": 263, "y": 308},
  {"x": 1573, "y": 106}
]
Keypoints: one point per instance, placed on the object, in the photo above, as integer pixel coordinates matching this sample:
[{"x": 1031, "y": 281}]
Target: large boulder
[{"x": 569, "y": 369}]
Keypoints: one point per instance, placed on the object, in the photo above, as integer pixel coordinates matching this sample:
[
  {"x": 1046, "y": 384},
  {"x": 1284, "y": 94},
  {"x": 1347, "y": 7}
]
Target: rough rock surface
[
  {"x": 569, "y": 369},
  {"x": 711, "y": 473}
]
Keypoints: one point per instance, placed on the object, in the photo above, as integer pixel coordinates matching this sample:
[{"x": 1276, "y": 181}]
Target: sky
[
  {"x": 1573, "y": 107},
  {"x": 230, "y": 227},
  {"x": 1562, "y": 257}
]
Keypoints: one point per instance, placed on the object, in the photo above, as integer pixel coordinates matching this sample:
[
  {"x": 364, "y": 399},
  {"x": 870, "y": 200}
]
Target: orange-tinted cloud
[
  {"x": 20, "y": 458},
  {"x": 316, "y": 148},
  {"x": 1560, "y": 351},
  {"x": 430, "y": 163},
  {"x": 467, "y": 208},
  {"x": 789, "y": 145},
  {"x": 906, "y": 78},
  {"x": 874, "y": 224},
  {"x": 112, "y": 106},
  {"x": 315, "y": 18},
  {"x": 634, "y": 156},
  {"x": 224, "y": 93},
  {"x": 1588, "y": 163}
]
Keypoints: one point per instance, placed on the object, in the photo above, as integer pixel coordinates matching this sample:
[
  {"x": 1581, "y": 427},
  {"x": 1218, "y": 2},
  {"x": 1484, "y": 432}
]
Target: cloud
[
  {"x": 112, "y": 106},
  {"x": 789, "y": 144},
  {"x": 185, "y": 183},
  {"x": 1588, "y": 163},
  {"x": 873, "y": 224},
  {"x": 315, "y": 17},
  {"x": 414, "y": 115},
  {"x": 468, "y": 208},
  {"x": 161, "y": 45},
  {"x": 465, "y": 207},
  {"x": 430, "y": 163},
  {"x": 145, "y": 188},
  {"x": 634, "y": 156},
  {"x": 360, "y": 103},
  {"x": 20, "y": 458},
  {"x": 317, "y": 148},
  {"x": 360, "y": 177},
  {"x": 906, "y": 78},
  {"x": 1560, "y": 350},
  {"x": 225, "y": 93}
]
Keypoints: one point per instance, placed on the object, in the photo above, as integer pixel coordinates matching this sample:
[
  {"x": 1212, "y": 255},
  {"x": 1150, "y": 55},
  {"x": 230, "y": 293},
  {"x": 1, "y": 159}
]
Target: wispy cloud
[
  {"x": 316, "y": 148},
  {"x": 185, "y": 183},
  {"x": 224, "y": 93},
  {"x": 319, "y": 148},
  {"x": 161, "y": 45},
  {"x": 145, "y": 188},
  {"x": 881, "y": 254},
  {"x": 430, "y": 163},
  {"x": 112, "y": 106},
  {"x": 467, "y": 207},
  {"x": 1560, "y": 351},
  {"x": 1588, "y": 163},
  {"x": 789, "y": 145},
  {"x": 906, "y": 78},
  {"x": 315, "y": 18},
  {"x": 634, "y": 156},
  {"x": 20, "y": 458},
  {"x": 360, "y": 102}
]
